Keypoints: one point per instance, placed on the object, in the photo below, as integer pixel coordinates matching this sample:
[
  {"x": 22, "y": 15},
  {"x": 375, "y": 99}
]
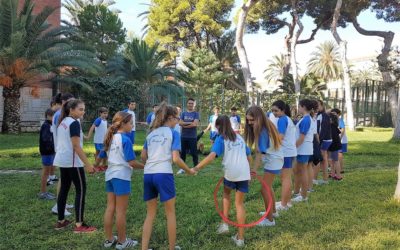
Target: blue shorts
[
  {"x": 99, "y": 146},
  {"x": 325, "y": 145},
  {"x": 155, "y": 184},
  {"x": 344, "y": 148},
  {"x": 242, "y": 186},
  {"x": 334, "y": 155},
  {"x": 213, "y": 135},
  {"x": 302, "y": 158},
  {"x": 131, "y": 136},
  {"x": 47, "y": 160},
  {"x": 287, "y": 162},
  {"x": 278, "y": 171},
  {"x": 118, "y": 186}
]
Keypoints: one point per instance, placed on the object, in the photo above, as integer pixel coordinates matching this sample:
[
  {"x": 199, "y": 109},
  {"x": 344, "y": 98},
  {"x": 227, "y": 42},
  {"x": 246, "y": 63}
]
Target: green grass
[{"x": 357, "y": 213}]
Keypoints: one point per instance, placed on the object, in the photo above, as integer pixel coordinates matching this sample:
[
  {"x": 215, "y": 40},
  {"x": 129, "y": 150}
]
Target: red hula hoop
[{"x": 226, "y": 220}]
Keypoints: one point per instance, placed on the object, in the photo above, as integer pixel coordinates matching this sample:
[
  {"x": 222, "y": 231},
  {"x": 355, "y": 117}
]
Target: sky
[{"x": 261, "y": 47}]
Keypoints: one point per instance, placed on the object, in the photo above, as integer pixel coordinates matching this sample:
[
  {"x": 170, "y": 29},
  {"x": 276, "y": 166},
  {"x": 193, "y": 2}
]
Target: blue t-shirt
[
  {"x": 305, "y": 125},
  {"x": 189, "y": 117},
  {"x": 219, "y": 147},
  {"x": 263, "y": 141},
  {"x": 341, "y": 123},
  {"x": 149, "y": 118},
  {"x": 97, "y": 122},
  {"x": 129, "y": 155},
  {"x": 282, "y": 124}
]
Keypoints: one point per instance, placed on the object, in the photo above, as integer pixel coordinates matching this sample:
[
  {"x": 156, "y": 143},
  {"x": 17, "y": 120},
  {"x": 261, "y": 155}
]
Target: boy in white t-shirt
[
  {"x": 99, "y": 127},
  {"x": 130, "y": 110},
  {"x": 211, "y": 125},
  {"x": 235, "y": 120}
]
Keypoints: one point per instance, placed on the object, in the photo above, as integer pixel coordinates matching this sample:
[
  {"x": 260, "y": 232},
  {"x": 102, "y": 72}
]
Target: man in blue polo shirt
[{"x": 189, "y": 122}]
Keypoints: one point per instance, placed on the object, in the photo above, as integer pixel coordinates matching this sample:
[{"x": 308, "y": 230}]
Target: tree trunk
[
  {"x": 295, "y": 72},
  {"x": 388, "y": 79},
  {"x": 12, "y": 116},
  {"x": 244, "y": 62},
  {"x": 396, "y": 133},
  {"x": 346, "y": 75},
  {"x": 397, "y": 192},
  {"x": 288, "y": 47}
]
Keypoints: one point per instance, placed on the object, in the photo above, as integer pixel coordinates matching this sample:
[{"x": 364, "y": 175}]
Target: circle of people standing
[{"x": 302, "y": 147}]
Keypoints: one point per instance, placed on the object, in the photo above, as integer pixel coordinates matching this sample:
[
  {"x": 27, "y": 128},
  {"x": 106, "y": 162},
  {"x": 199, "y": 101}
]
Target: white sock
[{"x": 52, "y": 176}]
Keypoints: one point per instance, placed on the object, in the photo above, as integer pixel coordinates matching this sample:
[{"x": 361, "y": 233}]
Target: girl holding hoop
[
  {"x": 236, "y": 158},
  {"x": 287, "y": 133},
  {"x": 261, "y": 132},
  {"x": 160, "y": 149}
]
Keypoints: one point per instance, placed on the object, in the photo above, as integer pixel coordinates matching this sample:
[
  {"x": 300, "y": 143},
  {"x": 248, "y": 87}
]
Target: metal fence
[{"x": 370, "y": 103}]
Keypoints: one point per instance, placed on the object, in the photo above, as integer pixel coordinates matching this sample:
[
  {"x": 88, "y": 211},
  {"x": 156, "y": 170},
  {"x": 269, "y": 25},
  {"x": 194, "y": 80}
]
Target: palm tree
[
  {"x": 310, "y": 86},
  {"x": 28, "y": 48},
  {"x": 143, "y": 63},
  {"x": 325, "y": 62},
  {"x": 275, "y": 69},
  {"x": 360, "y": 76},
  {"x": 74, "y": 7}
]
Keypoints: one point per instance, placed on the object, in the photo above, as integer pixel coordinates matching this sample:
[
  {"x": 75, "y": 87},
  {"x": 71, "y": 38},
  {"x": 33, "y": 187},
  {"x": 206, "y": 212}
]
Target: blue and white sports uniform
[
  {"x": 235, "y": 123},
  {"x": 287, "y": 128},
  {"x": 100, "y": 130},
  {"x": 344, "y": 136},
  {"x": 236, "y": 165},
  {"x": 272, "y": 158},
  {"x": 132, "y": 133},
  {"x": 214, "y": 130},
  {"x": 158, "y": 173},
  {"x": 119, "y": 172},
  {"x": 150, "y": 118},
  {"x": 305, "y": 127},
  {"x": 272, "y": 118},
  {"x": 54, "y": 124}
]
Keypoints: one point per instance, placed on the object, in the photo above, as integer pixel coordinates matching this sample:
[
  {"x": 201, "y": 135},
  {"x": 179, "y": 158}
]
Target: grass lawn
[{"x": 357, "y": 213}]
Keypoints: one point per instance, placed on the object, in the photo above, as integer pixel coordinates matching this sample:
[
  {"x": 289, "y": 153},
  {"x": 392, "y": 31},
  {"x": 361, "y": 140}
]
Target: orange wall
[{"x": 55, "y": 18}]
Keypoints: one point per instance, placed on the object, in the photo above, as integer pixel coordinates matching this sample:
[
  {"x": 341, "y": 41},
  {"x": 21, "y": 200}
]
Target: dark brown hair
[
  {"x": 224, "y": 127},
  {"x": 66, "y": 108},
  {"x": 162, "y": 114}
]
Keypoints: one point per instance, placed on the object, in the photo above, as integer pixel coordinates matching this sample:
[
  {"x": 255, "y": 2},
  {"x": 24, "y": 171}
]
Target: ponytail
[
  {"x": 119, "y": 119},
  {"x": 162, "y": 114},
  {"x": 66, "y": 108}
]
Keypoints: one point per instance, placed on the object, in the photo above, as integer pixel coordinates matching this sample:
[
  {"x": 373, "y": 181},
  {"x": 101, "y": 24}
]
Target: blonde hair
[
  {"x": 252, "y": 134},
  {"x": 121, "y": 118},
  {"x": 162, "y": 114}
]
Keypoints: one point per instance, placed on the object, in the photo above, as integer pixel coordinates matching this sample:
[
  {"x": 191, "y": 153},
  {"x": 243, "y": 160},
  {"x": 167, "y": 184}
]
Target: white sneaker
[
  {"x": 281, "y": 208},
  {"x": 238, "y": 243},
  {"x": 54, "y": 210},
  {"x": 266, "y": 223},
  {"x": 223, "y": 228},
  {"x": 322, "y": 182},
  {"x": 274, "y": 215},
  {"x": 127, "y": 244},
  {"x": 315, "y": 182},
  {"x": 180, "y": 171},
  {"x": 108, "y": 243},
  {"x": 279, "y": 203},
  {"x": 299, "y": 199},
  {"x": 68, "y": 206}
]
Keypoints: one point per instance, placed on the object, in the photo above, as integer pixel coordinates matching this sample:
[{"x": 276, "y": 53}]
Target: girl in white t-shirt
[
  {"x": 121, "y": 159},
  {"x": 287, "y": 133},
  {"x": 262, "y": 133},
  {"x": 160, "y": 149},
  {"x": 236, "y": 157},
  {"x": 71, "y": 159}
]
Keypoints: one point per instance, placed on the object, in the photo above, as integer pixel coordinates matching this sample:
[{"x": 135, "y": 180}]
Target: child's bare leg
[
  {"x": 240, "y": 213},
  {"x": 286, "y": 177},
  {"x": 109, "y": 216},
  {"x": 148, "y": 222},
  {"x": 171, "y": 222},
  {"x": 226, "y": 202},
  {"x": 120, "y": 209}
]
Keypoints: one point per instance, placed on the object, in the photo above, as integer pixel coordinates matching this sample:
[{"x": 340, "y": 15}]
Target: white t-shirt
[
  {"x": 65, "y": 155},
  {"x": 273, "y": 118},
  {"x": 100, "y": 130},
  {"x": 305, "y": 126},
  {"x": 119, "y": 154},
  {"x": 235, "y": 122},
  {"x": 289, "y": 140},
  {"x": 133, "y": 118},
  {"x": 212, "y": 120},
  {"x": 236, "y": 165},
  {"x": 159, "y": 145}
]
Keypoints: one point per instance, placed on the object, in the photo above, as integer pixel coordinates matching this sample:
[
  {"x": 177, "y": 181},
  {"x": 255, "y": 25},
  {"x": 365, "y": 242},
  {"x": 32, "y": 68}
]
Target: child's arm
[
  {"x": 136, "y": 164},
  {"x": 208, "y": 127},
  {"x": 143, "y": 155},
  {"x": 77, "y": 148},
  {"x": 210, "y": 158},
  {"x": 180, "y": 163},
  {"x": 300, "y": 140},
  {"x": 90, "y": 132},
  {"x": 257, "y": 162}
]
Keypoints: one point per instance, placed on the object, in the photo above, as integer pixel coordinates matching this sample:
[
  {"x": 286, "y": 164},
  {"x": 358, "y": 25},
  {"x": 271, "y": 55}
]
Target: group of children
[{"x": 278, "y": 142}]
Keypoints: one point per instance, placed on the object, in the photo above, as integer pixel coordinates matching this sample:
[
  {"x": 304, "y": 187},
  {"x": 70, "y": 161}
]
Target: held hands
[
  {"x": 192, "y": 171},
  {"x": 253, "y": 174},
  {"x": 90, "y": 169}
]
